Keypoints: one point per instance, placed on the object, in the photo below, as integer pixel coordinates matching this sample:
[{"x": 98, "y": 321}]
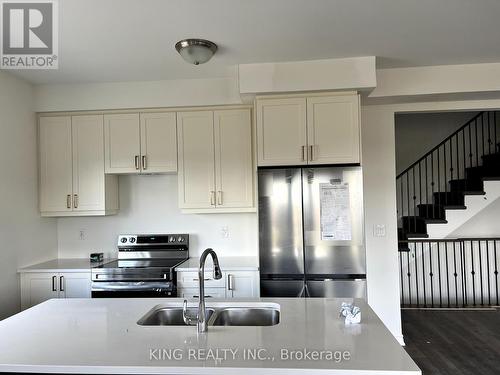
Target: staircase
[{"x": 460, "y": 171}]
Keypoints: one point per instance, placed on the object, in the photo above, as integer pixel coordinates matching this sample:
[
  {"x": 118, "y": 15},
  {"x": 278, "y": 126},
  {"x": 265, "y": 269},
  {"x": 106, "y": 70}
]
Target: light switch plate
[{"x": 379, "y": 230}]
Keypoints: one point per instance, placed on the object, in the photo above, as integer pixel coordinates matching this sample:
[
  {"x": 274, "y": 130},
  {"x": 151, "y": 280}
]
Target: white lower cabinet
[
  {"x": 234, "y": 284},
  {"x": 42, "y": 286}
]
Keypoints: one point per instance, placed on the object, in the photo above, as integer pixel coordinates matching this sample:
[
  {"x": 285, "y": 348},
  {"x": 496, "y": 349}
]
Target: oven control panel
[{"x": 152, "y": 239}]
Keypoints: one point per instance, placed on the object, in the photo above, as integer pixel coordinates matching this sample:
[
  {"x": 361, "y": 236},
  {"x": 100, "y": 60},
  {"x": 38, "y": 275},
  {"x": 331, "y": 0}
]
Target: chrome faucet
[{"x": 201, "y": 319}]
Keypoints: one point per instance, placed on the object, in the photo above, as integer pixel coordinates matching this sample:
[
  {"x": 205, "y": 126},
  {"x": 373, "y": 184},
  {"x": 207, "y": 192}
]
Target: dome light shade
[{"x": 196, "y": 51}]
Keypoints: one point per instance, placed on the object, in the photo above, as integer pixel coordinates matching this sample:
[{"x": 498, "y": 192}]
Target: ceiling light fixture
[{"x": 196, "y": 51}]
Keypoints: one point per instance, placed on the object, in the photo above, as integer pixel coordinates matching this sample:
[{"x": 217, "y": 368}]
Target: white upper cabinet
[
  {"x": 140, "y": 143},
  {"x": 122, "y": 144},
  {"x": 88, "y": 163},
  {"x": 308, "y": 129},
  {"x": 72, "y": 180},
  {"x": 196, "y": 159},
  {"x": 158, "y": 142},
  {"x": 233, "y": 158},
  {"x": 56, "y": 175},
  {"x": 216, "y": 171},
  {"x": 333, "y": 129},
  {"x": 281, "y": 131}
]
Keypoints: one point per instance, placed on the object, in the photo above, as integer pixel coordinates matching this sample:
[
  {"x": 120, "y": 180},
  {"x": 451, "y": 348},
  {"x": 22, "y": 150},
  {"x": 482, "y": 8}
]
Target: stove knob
[
  {"x": 180, "y": 239},
  {"x": 171, "y": 239},
  {"x": 123, "y": 240},
  {"x": 131, "y": 239}
]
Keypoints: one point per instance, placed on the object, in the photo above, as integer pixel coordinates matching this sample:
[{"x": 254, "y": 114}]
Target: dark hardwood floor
[{"x": 453, "y": 342}]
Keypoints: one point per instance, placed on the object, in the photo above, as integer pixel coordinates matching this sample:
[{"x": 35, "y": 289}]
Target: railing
[
  {"x": 426, "y": 181},
  {"x": 450, "y": 273}
]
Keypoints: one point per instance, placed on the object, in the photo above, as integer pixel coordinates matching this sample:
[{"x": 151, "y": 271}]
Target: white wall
[
  {"x": 149, "y": 205},
  {"x": 25, "y": 238},
  {"x": 417, "y": 133},
  {"x": 485, "y": 224}
]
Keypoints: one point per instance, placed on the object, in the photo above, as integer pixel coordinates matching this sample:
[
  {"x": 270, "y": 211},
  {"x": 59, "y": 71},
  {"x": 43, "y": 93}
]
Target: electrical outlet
[
  {"x": 224, "y": 231},
  {"x": 82, "y": 235}
]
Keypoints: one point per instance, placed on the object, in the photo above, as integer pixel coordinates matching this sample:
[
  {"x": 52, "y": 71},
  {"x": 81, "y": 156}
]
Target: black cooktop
[{"x": 143, "y": 263}]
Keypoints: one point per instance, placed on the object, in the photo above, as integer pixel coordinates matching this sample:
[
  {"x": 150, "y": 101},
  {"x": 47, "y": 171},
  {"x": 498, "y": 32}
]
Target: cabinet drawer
[
  {"x": 190, "y": 280},
  {"x": 194, "y": 293}
]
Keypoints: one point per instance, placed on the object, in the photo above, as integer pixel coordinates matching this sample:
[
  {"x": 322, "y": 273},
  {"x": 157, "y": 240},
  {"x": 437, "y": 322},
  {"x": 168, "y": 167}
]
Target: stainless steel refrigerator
[{"x": 311, "y": 236}]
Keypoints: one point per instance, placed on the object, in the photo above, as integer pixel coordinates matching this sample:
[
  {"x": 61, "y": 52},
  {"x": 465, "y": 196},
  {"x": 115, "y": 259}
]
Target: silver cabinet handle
[
  {"x": 144, "y": 162},
  {"x": 311, "y": 148},
  {"x": 136, "y": 162},
  {"x": 68, "y": 201},
  {"x": 203, "y": 279},
  {"x": 219, "y": 198},
  {"x": 75, "y": 200},
  {"x": 230, "y": 282},
  {"x": 303, "y": 153},
  {"x": 54, "y": 287},
  {"x": 205, "y": 296},
  {"x": 61, "y": 283},
  {"x": 212, "y": 198}
]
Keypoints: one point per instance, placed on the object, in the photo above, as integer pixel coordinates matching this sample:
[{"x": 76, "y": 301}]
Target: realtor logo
[{"x": 29, "y": 37}]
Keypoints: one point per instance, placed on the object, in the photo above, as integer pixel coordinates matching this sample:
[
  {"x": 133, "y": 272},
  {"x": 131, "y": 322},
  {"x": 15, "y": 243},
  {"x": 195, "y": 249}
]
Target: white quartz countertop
[
  {"x": 226, "y": 264},
  {"x": 63, "y": 265},
  {"x": 102, "y": 336}
]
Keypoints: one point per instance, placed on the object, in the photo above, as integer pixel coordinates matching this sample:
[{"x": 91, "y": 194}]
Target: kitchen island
[{"x": 102, "y": 336}]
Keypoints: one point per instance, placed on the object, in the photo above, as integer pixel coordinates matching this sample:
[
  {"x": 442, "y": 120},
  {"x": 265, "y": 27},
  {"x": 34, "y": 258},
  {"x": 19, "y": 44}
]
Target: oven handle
[
  {"x": 125, "y": 278},
  {"x": 129, "y": 286}
]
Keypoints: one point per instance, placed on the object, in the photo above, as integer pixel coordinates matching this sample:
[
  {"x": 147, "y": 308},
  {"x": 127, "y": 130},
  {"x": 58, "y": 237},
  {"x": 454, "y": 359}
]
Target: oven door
[{"x": 133, "y": 289}]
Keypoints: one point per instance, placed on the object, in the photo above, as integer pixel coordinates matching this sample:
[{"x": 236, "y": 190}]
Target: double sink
[{"x": 218, "y": 314}]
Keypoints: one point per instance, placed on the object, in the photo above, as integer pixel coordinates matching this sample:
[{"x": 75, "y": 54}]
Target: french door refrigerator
[{"x": 311, "y": 236}]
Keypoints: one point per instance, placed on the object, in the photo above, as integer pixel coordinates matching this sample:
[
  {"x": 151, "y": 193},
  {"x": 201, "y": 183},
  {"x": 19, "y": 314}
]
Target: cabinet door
[
  {"x": 196, "y": 159},
  {"x": 242, "y": 284},
  {"x": 122, "y": 144},
  {"x": 37, "y": 288},
  {"x": 74, "y": 285},
  {"x": 158, "y": 142},
  {"x": 233, "y": 158},
  {"x": 281, "y": 131},
  {"x": 88, "y": 163},
  {"x": 55, "y": 164},
  {"x": 333, "y": 129}
]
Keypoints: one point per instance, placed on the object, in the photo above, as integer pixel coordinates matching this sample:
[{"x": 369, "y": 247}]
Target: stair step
[
  {"x": 431, "y": 211},
  {"x": 475, "y": 173},
  {"x": 414, "y": 224},
  {"x": 451, "y": 198},
  {"x": 491, "y": 160},
  {"x": 467, "y": 185},
  {"x": 417, "y": 235}
]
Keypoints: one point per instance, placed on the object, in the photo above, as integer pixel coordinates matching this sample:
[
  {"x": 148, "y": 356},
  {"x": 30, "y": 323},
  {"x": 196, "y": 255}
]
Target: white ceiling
[{"x": 130, "y": 40}]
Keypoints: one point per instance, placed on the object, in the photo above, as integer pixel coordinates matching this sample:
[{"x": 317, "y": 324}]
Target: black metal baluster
[
  {"x": 430, "y": 273},
  {"x": 414, "y": 204},
  {"x": 416, "y": 274},
  {"x": 439, "y": 275},
  {"x": 489, "y": 133},
  {"x": 423, "y": 273},
  {"x": 481, "y": 272},
  {"x": 464, "y": 270},
  {"x": 439, "y": 179},
  {"x": 473, "y": 273},
  {"x": 409, "y": 275},
  {"x": 465, "y": 157},
  {"x": 477, "y": 147},
  {"x": 482, "y": 133},
  {"x": 451, "y": 160},
  {"x": 496, "y": 268},
  {"x": 455, "y": 272},
  {"x": 445, "y": 178},
  {"x": 419, "y": 185},
  {"x": 458, "y": 157},
  {"x": 426, "y": 184},
  {"x": 488, "y": 271},
  {"x": 432, "y": 186},
  {"x": 447, "y": 273},
  {"x": 408, "y": 200},
  {"x": 495, "y": 131}
]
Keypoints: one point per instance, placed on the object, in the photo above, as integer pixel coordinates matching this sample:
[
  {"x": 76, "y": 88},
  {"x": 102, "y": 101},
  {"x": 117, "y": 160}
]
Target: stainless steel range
[{"x": 145, "y": 267}]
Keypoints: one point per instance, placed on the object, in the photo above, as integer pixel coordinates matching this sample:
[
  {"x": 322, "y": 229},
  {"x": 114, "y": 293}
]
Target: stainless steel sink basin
[
  {"x": 220, "y": 314},
  {"x": 246, "y": 316},
  {"x": 169, "y": 316}
]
